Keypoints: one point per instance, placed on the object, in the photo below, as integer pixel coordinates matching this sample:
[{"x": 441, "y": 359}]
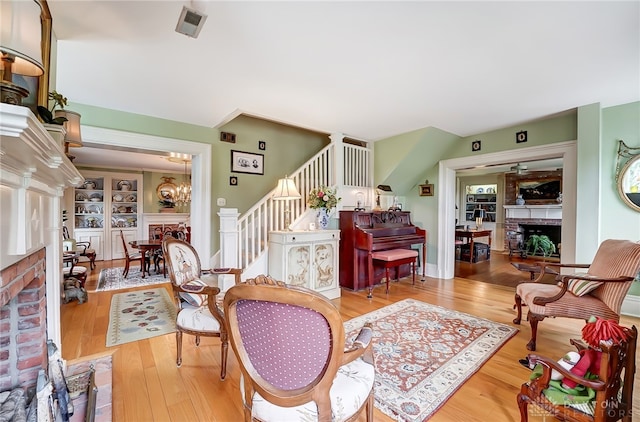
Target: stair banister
[{"x": 341, "y": 165}]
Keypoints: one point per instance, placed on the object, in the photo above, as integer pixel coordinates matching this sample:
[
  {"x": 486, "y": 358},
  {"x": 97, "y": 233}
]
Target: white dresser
[{"x": 306, "y": 258}]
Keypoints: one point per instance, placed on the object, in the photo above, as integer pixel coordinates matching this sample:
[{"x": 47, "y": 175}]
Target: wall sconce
[
  {"x": 20, "y": 36},
  {"x": 286, "y": 191},
  {"x": 478, "y": 214},
  {"x": 73, "y": 138}
]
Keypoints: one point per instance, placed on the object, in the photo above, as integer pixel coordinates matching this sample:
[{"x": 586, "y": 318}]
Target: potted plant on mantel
[{"x": 54, "y": 125}]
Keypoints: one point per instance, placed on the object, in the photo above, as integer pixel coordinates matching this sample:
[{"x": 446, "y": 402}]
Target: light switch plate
[{"x": 221, "y": 202}]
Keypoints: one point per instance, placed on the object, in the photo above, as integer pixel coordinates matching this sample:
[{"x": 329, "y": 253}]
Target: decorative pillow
[{"x": 581, "y": 287}]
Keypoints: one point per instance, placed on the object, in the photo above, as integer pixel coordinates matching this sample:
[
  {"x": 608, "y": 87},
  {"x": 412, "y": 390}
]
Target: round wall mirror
[
  {"x": 629, "y": 183},
  {"x": 167, "y": 191}
]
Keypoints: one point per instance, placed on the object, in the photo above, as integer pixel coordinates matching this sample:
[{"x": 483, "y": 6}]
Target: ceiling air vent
[{"x": 190, "y": 22}]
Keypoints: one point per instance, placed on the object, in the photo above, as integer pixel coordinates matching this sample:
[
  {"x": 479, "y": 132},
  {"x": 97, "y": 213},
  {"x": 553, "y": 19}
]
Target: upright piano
[{"x": 362, "y": 233}]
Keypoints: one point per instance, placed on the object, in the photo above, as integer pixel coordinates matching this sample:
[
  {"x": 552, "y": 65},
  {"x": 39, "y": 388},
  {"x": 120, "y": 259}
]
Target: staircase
[{"x": 341, "y": 165}]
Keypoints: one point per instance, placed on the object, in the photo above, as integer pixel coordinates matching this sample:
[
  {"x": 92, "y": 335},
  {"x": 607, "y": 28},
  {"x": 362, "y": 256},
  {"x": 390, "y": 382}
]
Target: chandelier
[
  {"x": 183, "y": 192},
  {"x": 183, "y": 197}
]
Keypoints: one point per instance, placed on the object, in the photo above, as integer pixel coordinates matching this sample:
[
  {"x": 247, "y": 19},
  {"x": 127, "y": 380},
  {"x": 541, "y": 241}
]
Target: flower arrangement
[{"x": 323, "y": 197}]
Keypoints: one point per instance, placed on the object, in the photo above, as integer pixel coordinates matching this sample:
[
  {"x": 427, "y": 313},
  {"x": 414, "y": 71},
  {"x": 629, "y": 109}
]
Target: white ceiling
[{"x": 369, "y": 70}]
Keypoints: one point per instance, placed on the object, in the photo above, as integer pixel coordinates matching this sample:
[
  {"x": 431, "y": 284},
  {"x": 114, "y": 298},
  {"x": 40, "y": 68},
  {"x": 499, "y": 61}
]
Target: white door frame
[
  {"x": 200, "y": 216},
  {"x": 447, "y": 197}
]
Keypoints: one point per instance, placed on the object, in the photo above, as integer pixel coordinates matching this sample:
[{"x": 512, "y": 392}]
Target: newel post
[{"x": 228, "y": 243}]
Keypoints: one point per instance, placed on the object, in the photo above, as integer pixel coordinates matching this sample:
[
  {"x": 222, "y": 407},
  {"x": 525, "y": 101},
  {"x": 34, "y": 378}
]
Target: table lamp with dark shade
[{"x": 478, "y": 214}]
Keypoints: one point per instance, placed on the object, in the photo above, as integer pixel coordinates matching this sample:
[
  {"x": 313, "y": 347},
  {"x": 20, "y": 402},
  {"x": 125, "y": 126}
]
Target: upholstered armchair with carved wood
[
  {"x": 290, "y": 343},
  {"x": 613, "y": 386},
  {"x": 197, "y": 295},
  {"x": 598, "y": 292}
]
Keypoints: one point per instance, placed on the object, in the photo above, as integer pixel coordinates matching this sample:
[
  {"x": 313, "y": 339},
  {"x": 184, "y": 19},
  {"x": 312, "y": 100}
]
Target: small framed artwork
[
  {"x": 233, "y": 181},
  {"x": 521, "y": 136},
  {"x": 476, "y": 145},
  {"x": 262, "y": 145},
  {"x": 247, "y": 162},
  {"x": 426, "y": 190}
]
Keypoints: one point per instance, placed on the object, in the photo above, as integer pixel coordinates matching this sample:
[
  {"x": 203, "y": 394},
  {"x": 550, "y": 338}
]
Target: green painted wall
[
  {"x": 415, "y": 155},
  {"x": 287, "y": 148},
  {"x": 618, "y": 221}
]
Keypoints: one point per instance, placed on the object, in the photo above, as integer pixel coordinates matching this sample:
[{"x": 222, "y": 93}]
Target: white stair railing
[{"x": 268, "y": 214}]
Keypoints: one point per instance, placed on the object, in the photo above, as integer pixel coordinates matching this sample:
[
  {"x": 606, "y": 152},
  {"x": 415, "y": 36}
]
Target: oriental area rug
[
  {"x": 139, "y": 315},
  {"x": 423, "y": 353},
  {"x": 112, "y": 279}
]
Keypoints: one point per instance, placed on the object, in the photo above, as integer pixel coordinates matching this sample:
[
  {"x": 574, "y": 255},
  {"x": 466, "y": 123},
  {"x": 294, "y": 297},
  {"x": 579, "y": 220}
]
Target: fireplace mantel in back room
[{"x": 544, "y": 212}]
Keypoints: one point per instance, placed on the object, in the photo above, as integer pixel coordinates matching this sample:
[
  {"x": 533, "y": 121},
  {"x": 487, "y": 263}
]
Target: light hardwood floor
[{"x": 147, "y": 385}]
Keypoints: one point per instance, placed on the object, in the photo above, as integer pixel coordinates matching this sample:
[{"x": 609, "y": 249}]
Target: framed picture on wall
[
  {"x": 426, "y": 190},
  {"x": 247, "y": 162}
]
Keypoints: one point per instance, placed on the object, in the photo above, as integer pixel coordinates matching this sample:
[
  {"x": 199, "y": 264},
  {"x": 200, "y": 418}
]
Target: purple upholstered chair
[{"x": 290, "y": 343}]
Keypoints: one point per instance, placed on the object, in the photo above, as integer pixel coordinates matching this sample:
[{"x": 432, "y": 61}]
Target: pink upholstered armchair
[
  {"x": 598, "y": 292},
  {"x": 290, "y": 343}
]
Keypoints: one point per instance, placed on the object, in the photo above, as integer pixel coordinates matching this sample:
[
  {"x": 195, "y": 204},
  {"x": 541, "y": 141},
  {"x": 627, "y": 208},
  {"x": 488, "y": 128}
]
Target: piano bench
[{"x": 394, "y": 258}]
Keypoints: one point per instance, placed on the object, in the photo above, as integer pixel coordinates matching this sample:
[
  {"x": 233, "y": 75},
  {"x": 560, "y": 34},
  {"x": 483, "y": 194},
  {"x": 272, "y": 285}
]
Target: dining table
[{"x": 146, "y": 246}]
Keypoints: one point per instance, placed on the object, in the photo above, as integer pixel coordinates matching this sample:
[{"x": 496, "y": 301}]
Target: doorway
[
  {"x": 447, "y": 199},
  {"x": 200, "y": 172}
]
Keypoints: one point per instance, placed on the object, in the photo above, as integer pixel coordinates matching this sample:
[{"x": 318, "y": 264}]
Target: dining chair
[
  {"x": 197, "y": 297},
  {"x": 132, "y": 257},
  {"x": 82, "y": 248},
  {"x": 295, "y": 362}
]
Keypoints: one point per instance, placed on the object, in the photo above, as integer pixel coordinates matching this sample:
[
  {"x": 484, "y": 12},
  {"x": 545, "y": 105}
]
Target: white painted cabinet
[
  {"x": 306, "y": 258},
  {"x": 105, "y": 204}
]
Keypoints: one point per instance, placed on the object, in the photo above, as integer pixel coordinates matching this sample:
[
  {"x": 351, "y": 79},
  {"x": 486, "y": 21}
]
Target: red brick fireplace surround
[{"x": 23, "y": 322}]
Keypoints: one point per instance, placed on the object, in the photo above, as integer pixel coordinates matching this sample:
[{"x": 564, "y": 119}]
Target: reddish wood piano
[{"x": 362, "y": 233}]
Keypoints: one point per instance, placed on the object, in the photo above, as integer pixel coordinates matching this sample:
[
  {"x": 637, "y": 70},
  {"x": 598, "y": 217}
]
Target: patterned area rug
[
  {"x": 140, "y": 314},
  {"x": 424, "y": 353},
  {"x": 112, "y": 279}
]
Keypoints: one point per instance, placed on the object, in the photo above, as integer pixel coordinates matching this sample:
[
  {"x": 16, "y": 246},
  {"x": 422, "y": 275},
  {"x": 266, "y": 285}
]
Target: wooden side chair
[
  {"x": 130, "y": 257},
  {"x": 613, "y": 387},
  {"x": 598, "y": 292},
  {"x": 197, "y": 297},
  {"x": 83, "y": 248},
  {"x": 290, "y": 343}
]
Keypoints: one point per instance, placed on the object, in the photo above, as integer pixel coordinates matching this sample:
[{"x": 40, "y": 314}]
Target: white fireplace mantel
[
  {"x": 538, "y": 212},
  {"x": 34, "y": 172}
]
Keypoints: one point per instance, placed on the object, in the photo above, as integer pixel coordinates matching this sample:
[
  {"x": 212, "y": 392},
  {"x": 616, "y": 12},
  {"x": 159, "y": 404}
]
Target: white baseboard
[{"x": 631, "y": 306}]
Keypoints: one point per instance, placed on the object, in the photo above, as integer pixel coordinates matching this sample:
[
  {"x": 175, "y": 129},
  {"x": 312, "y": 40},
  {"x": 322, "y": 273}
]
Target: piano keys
[{"x": 363, "y": 233}]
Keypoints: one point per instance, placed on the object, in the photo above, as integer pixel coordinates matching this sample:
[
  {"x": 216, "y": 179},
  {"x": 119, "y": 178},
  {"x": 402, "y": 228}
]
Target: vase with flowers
[{"x": 323, "y": 199}]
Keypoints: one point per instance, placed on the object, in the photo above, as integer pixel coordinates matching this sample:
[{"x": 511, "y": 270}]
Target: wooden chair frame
[
  {"x": 614, "y": 361},
  {"x": 131, "y": 257},
  {"x": 214, "y": 307},
  {"x": 266, "y": 289},
  {"x": 621, "y": 258}
]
